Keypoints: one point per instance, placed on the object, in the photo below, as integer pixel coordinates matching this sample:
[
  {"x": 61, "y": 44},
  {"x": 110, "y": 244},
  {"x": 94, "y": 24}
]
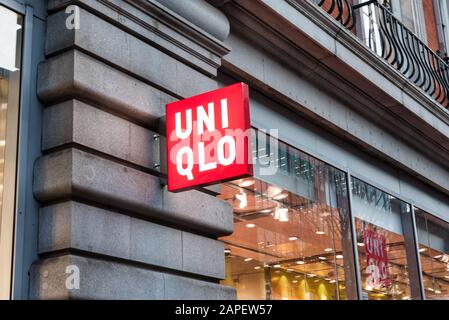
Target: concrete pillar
[{"x": 105, "y": 215}]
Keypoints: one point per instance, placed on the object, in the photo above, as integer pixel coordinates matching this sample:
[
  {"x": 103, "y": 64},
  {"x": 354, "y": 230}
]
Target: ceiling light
[
  {"x": 332, "y": 281},
  {"x": 322, "y": 258},
  {"x": 248, "y": 259},
  {"x": 339, "y": 256},
  {"x": 289, "y": 270},
  {"x": 405, "y": 298},
  {"x": 360, "y": 244},
  {"x": 280, "y": 196},
  {"x": 257, "y": 268},
  {"x": 293, "y": 238},
  {"x": 300, "y": 262},
  {"x": 246, "y": 183},
  {"x": 241, "y": 197},
  {"x": 430, "y": 289},
  {"x": 265, "y": 211},
  {"x": 447, "y": 277},
  {"x": 437, "y": 291},
  {"x": 311, "y": 275},
  {"x": 273, "y": 191},
  {"x": 250, "y": 225},
  {"x": 277, "y": 266},
  {"x": 281, "y": 214},
  {"x": 227, "y": 251},
  {"x": 422, "y": 249},
  {"x": 319, "y": 232},
  {"x": 295, "y": 281},
  {"x": 328, "y": 249},
  {"x": 438, "y": 256}
]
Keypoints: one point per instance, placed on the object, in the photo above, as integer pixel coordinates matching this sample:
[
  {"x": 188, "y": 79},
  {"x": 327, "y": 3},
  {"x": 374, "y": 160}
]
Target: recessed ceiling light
[
  {"x": 311, "y": 275},
  {"x": 289, "y": 270},
  {"x": 250, "y": 225},
  {"x": 360, "y": 244},
  {"x": 328, "y": 249},
  {"x": 280, "y": 196},
  {"x": 241, "y": 197},
  {"x": 422, "y": 249},
  {"x": 247, "y": 183},
  {"x": 300, "y": 262},
  {"x": 438, "y": 256},
  {"x": 447, "y": 277},
  {"x": 322, "y": 258},
  {"x": 339, "y": 256},
  {"x": 405, "y": 298},
  {"x": 319, "y": 232},
  {"x": 265, "y": 210},
  {"x": 430, "y": 289},
  {"x": 332, "y": 281},
  {"x": 257, "y": 268},
  {"x": 281, "y": 214},
  {"x": 227, "y": 251},
  {"x": 248, "y": 259},
  {"x": 437, "y": 291},
  {"x": 293, "y": 238},
  {"x": 277, "y": 266},
  {"x": 295, "y": 281},
  {"x": 273, "y": 191}
]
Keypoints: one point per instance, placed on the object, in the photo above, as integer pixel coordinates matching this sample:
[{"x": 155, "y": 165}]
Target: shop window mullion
[
  {"x": 419, "y": 284},
  {"x": 355, "y": 261}
]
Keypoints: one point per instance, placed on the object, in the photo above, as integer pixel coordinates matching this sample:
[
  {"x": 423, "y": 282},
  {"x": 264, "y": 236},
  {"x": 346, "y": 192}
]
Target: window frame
[
  {"x": 444, "y": 27},
  {"x": 8, "y": 215}
]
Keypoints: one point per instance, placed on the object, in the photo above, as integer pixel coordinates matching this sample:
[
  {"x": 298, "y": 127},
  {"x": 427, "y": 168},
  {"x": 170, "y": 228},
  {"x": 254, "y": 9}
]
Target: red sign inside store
[
  {"x": 376, "y": 258},
  {"x": 209, "y": 138}
]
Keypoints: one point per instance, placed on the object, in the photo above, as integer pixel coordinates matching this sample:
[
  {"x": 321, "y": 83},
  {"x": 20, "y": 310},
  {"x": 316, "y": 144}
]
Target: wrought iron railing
[{"x": 395, "y": 43}]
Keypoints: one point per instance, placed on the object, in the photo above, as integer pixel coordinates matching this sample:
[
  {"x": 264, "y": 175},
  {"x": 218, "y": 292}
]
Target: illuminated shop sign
[{"x": 208, "y": 138}]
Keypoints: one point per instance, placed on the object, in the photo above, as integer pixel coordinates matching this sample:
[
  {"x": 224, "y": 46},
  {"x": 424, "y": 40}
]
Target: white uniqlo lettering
[
  {"x": 202, "y": 159},
  {"x": 205, "y": 122},
  {"x": 204, "y": 118},
  {"x": 224, "y": 113},
  {"x": 221, "y": 148},
  {"x": 187, "y": 171},
  {"x": 178, "y": 125}
]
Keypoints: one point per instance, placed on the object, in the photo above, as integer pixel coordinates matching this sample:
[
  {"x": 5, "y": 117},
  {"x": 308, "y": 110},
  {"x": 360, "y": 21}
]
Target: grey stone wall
[{"x": 104, "y": 208}]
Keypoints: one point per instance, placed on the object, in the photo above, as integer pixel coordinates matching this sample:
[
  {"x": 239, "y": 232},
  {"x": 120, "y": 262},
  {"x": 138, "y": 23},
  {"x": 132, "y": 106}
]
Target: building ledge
[{"x": 307, "y": 43}]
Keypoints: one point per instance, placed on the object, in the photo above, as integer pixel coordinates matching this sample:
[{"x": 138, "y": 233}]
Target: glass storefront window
[
  {"x": 384, "y": 252},
  {"x": 10, "y": 61},
  {"x": 433, "y": 238},
  {"x": 292, "y": 235}
]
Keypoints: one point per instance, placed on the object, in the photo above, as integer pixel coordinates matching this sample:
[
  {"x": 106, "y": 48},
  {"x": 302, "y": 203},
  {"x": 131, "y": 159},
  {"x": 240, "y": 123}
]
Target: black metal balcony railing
[
  {"x": 396, "y": 44},
  {"x": 341, "y": 10}
]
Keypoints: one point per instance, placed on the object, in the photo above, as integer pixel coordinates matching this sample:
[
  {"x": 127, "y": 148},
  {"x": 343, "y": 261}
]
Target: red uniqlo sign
[
  {"x": 376, "y": 258},
  {"x": 208, "y": 138}
]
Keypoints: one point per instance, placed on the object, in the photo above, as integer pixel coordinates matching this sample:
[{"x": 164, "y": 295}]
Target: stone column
[{"x": 105, "y": 215}]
